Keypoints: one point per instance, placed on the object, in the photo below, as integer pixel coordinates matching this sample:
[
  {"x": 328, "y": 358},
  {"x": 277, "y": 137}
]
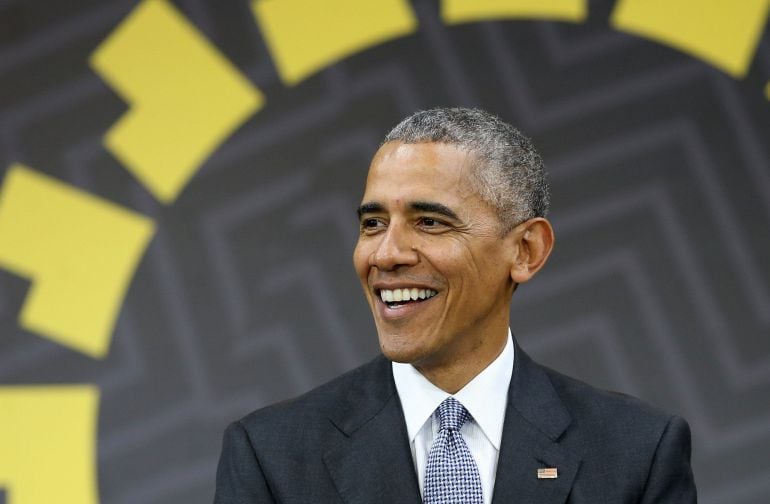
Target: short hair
[{"x": 509, "y": 173}]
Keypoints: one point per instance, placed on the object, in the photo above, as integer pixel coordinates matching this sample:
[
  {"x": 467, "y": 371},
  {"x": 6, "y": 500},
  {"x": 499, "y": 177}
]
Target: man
[{"x": 452, "y": 221}]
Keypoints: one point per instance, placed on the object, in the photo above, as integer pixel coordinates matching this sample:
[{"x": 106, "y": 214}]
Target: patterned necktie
[{"x": 451, "y": 476}]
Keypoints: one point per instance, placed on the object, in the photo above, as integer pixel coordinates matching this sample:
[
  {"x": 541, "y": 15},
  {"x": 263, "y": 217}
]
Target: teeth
[{"x": 412, "y": 294}]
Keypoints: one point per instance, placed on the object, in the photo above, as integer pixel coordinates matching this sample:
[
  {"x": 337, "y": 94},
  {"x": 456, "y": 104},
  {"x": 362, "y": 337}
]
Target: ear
[{"x": 533, "y": 242}]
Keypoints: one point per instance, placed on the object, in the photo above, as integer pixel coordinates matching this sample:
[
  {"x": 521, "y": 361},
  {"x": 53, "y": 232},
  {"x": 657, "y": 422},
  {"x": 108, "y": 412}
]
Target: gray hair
[{"x": 509, "y": 175}]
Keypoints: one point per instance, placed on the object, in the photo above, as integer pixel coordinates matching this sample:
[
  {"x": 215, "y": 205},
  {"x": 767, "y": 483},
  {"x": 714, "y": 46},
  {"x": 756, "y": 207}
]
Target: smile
[{"x": 396, "y": 297}]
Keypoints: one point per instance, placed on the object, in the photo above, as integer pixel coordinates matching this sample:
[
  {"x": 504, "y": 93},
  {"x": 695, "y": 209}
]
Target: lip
[
  {"x": 402, "y": 311},
  {"x": 378, "y": 286}
]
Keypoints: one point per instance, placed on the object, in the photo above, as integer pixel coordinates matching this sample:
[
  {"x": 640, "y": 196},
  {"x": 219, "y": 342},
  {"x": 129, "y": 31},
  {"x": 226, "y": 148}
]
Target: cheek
[
  {"x": 361, "y": 259},
  {"x": 486, "y": 267}
]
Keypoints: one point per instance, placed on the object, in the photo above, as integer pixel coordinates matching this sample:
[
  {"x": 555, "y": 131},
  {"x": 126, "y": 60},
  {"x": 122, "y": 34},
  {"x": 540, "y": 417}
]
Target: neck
[{"x": 452, "y": 376}]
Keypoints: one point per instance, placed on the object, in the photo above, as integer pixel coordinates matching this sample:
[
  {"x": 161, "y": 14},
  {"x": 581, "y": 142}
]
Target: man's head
[
  {"x": 507, "y": 171},
  {"x": 437, "y": 261}
]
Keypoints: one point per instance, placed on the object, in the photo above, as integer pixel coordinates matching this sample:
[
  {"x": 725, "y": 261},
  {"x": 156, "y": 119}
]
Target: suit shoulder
[
  {"x": 608, "y": 411},
  {"x": 637, "y": 449},
  {"x": 321, "y": 401}
]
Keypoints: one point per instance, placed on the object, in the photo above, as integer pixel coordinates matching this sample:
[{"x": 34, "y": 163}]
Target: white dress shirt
[{"x": 485, "y": 397}]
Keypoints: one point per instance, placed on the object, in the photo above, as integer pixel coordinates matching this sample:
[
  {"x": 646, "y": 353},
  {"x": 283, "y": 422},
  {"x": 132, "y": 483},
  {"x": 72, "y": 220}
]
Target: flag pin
[{"x": 547, "y": 473}]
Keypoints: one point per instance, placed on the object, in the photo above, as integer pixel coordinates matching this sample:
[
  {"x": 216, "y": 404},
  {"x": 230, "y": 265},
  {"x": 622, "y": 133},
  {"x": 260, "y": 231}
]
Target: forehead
[{"x": 407, "y": 171}]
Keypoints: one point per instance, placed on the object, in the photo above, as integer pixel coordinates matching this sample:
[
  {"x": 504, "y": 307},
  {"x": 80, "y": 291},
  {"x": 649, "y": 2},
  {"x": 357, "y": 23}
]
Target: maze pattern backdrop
[{"x": 177, "y": 215}]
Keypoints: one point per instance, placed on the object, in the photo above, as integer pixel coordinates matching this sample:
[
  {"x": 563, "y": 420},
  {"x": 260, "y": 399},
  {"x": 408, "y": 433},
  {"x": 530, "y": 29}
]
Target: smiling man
[{"x": 451, "y": 222}]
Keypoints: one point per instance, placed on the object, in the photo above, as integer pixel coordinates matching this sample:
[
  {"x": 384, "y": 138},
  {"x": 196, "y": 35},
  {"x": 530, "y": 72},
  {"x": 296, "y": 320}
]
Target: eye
[
  {"x": 370, "y": 224},
  {"x": 431, "y": 224}
]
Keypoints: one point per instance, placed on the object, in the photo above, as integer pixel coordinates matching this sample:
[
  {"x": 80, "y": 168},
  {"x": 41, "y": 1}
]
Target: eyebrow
[
  {"x": 432, "y": 207},
  {"x": 420, "y": 206},
  {"x": 369, "y": 208}
]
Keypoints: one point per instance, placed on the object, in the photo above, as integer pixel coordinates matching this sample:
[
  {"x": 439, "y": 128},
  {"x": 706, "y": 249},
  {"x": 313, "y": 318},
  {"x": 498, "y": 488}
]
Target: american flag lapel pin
[{"x": 547, "y": 473}]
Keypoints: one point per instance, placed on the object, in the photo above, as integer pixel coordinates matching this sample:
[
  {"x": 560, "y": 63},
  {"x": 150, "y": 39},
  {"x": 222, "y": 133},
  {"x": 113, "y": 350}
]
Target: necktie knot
[{"x": 452, "y": 414}]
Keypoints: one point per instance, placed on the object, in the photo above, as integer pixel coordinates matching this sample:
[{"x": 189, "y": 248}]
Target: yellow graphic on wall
[
  {"x": 186, "y": 98},
  {"x": 722, "y": 33},
  {"x": 466, "y": 11},
  {"x": 79, "y": 252},
  {"x": 48, "y": 444},
  {"x": 305, "y": 36}
]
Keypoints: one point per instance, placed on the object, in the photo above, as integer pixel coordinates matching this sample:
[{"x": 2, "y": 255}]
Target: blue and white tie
[{"x": 451, "y": 476}]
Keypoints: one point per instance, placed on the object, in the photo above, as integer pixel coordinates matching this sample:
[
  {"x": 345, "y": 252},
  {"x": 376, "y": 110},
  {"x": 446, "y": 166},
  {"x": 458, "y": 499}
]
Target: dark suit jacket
[{"x": 346, "y": 442}]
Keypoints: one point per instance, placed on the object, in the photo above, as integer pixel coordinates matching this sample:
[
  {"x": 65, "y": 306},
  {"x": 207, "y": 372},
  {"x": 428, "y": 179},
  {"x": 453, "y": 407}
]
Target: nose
[{"x": 394, "y": 249}]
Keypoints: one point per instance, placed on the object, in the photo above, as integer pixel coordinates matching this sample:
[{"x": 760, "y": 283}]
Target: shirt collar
[{"x": 485, "y": 396}]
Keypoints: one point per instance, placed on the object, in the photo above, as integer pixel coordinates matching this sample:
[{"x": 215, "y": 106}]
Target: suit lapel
[
  {"x": 535, "y": 418},
  {"x": 371, "y": 461}
]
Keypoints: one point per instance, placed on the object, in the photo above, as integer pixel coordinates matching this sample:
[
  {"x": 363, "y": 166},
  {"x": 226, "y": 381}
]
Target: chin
[{"x": 400, "y": 349}]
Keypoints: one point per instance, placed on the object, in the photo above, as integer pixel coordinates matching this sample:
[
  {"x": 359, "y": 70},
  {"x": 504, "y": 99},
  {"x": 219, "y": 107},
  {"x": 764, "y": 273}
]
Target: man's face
[{"x": 425, "y": 232}]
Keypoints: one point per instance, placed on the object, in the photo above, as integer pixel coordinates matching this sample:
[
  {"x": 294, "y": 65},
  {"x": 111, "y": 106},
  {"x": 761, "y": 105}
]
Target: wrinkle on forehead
[{"x": 447, "y": 161}]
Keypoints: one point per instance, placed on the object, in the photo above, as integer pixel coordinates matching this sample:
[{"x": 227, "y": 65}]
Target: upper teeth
[{"x": 413, "y": 294}]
